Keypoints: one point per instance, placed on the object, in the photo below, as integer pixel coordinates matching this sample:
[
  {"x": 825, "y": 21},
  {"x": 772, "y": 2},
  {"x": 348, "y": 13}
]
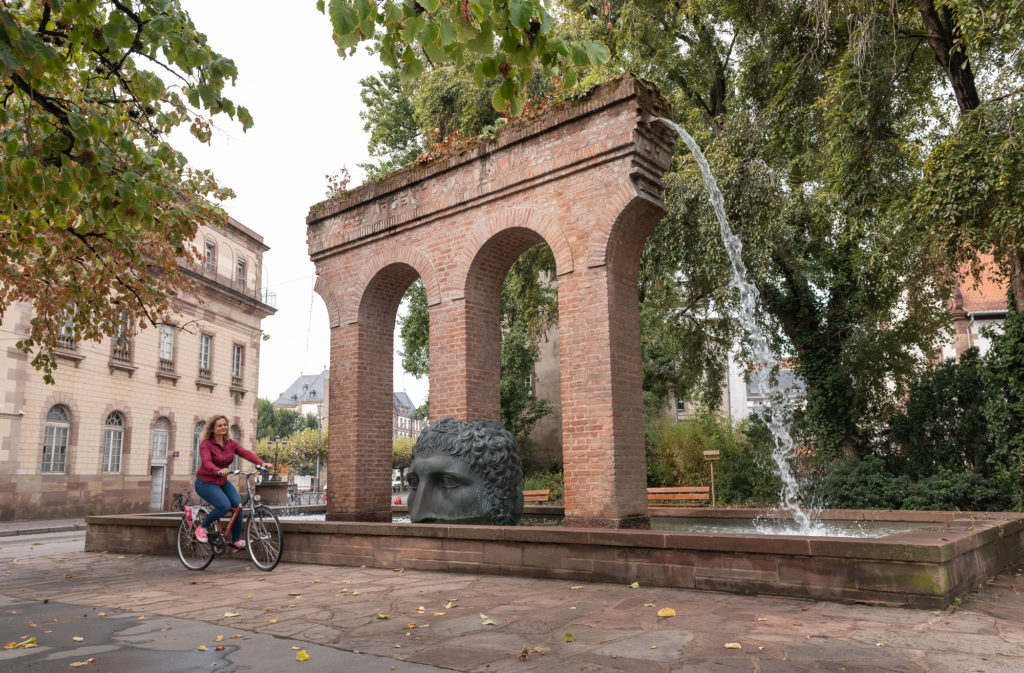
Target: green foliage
[
  {"x": 942, "y": 425},
  {"x": 538, "y": 481},
  {"x": 272, "y": 422},
  {"x": 96, "y": 209},
  {"x": 1003, "y": 383},
  {"x": 868, "y": 484},
  {"x": 746, "y": 472},
  {"x": 510, "y": 40},
  {"x": 298, "y": 450},
  {"x": 743, "y": 474},
  {"x": 401, "y": 453}
]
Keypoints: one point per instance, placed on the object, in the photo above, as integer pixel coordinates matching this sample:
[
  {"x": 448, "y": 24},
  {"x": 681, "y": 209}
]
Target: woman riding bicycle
[{"x": 216, "y": 452}]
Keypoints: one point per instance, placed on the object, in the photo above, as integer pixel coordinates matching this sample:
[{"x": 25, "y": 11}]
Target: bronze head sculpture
[{"x": 465, "y": 473}]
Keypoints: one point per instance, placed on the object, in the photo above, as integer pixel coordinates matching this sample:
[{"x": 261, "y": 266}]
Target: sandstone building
[{"x": 118, "y": 431}]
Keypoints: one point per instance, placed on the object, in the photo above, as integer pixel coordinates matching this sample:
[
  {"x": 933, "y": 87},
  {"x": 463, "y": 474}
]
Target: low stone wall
[{"x": 928, "y": 567}]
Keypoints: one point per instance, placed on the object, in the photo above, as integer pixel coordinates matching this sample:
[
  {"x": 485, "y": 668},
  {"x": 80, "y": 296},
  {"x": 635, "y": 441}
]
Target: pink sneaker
[
  {"x": 188, "y": 515},
  {"x": 238, "y": 545},
  {"x": 201, "y": 534}
]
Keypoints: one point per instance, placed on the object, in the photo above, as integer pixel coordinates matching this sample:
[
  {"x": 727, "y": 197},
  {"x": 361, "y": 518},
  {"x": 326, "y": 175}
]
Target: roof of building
[
  {"x": 989, "y": 293},
  {"x": 403, "y": 401},
  {"x": 307, "y": 389}
]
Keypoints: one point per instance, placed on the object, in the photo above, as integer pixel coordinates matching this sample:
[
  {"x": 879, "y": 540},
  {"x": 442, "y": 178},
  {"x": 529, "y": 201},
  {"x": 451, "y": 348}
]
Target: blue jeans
[{"x": 222, "y": 498}]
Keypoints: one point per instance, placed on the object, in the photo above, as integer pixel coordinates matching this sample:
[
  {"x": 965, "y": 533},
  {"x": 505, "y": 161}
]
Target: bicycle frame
[{"x": 248, "y": 503}]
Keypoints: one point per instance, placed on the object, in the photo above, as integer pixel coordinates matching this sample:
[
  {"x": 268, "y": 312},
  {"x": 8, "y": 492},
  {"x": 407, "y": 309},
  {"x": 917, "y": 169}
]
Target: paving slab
[{"x": 373, "y": 619}]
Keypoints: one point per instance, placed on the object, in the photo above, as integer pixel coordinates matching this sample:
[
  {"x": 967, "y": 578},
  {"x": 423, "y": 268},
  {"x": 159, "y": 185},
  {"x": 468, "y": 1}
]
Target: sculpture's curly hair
[{"x": 491, "y": 452}]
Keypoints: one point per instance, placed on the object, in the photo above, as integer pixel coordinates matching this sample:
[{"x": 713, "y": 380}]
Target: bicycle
[
  {"x": 180, "y": 501},
  {"x": 262, "y": 528}
]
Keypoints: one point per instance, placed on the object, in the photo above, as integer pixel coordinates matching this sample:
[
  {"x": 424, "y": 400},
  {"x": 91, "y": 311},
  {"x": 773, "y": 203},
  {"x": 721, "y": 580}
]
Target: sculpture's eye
[
  {"x": 412, "y": 480},
  {"x": 451, "y": 481}
]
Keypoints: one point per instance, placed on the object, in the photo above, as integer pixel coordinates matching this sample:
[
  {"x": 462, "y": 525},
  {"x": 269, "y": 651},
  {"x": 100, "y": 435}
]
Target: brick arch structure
[{"x": 586, "y": 178}]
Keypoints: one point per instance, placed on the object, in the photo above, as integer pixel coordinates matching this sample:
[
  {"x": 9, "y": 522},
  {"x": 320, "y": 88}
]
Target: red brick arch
[{"x": 584, "y": 177}]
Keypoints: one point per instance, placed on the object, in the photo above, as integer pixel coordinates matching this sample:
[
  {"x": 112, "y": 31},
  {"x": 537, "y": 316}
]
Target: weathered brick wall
[{"x": 585, "y": 179}]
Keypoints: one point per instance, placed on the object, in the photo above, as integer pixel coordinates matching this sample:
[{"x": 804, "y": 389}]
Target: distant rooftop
[{"x": 307, "y": 389}]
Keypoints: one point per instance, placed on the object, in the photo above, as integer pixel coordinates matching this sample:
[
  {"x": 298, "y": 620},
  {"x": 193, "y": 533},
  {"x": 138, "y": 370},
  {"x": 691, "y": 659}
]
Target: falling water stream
[{"x": 775, "y": 403}]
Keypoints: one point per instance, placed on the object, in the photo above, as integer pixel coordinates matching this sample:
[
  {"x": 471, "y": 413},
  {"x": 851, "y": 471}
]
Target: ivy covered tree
[{"x": 97, "y": 210}]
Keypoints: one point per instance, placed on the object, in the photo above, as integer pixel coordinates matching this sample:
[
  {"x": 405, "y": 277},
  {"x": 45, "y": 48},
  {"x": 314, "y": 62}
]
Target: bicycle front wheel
[
  {"x": 194, "y": 555},
  {"x": 264, "y": 539}
]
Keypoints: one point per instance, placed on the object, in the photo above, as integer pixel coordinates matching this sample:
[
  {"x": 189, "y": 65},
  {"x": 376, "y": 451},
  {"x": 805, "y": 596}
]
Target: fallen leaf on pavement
[
  {"x": 666, "y": 612},
  {"x": 524, "y": 654},
  {"x": 356, "y": 593},
  {"x": 88, "y": 661},
  {"x": 487, "y": 622},
  {"x": 201, "y": 648},
  {"x": 420, "y": 609},
  {"x": 220, "y": 638},
  {"x": 238, "y": 635},
  {"x": 380, "y": 616},
  {"x": 439, "y": 614},
  {"x": 450, "y": 604},
  {"x": 762, "y": 619},
  {"x": 248, "y": 597},
  {"x": 649, "y": 605},
  {"x": 272, "y": 621},
  {"x": 301, "y": 656},
  {"x": 575, "y": 588},
  {"x": 295, "y": 593},
  {"x": 232, "y": 614},
  {"x": 568, "y": 638},
  {"x": 68, "y": 576},
  {"x": 879, "y": 644},
  {"x": 77, "y": 639},
  {"x": 142, "y": 616},
  {"x": 733, "y": 646},
  {"x": 219, "y": 648},
  {"x": 634, "y": 585},
  {"x": 398, "y": 570},
  {"x": 102, "y": 614}
]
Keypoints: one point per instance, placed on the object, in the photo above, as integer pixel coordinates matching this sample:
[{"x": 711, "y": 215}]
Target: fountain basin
[{"x": 950, "y": 554}]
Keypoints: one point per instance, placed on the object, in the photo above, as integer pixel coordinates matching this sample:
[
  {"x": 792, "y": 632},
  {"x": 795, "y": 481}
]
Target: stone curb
[{"x": 43, "y": 529}]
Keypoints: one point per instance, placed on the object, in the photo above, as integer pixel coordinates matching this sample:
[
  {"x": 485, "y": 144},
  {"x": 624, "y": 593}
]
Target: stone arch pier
[{"x": 584, "y": 177}]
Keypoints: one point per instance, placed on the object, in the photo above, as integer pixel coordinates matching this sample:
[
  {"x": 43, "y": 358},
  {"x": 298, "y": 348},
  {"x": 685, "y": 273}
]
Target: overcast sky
[{"x": 304, "y": 99}]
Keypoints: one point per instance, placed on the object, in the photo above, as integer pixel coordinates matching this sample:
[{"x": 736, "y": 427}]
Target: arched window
[
  {"x": 113, "y": 442},
  {"x": 161, "y": 439},
  {"x": 197, "y": 439},
  {"x": 55, "y": 444}
]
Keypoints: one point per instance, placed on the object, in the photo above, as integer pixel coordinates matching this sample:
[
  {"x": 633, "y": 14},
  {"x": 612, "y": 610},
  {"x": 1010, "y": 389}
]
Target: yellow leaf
[
  {"x": 295, "y": 593},
  {"x": 439, "y": 614},
  {"x": 733, "y": 646},
  {"x": 487, "y": 622},
  {"x": 142, "y": 616},
  {"x": 762, "y": 619},
  {"x": 356, "y": 593},
  {"x": 483, "y": 616},
  {"x": 879, "y": 644},
  {"x": 648, "y": 605},
  {"x": 238, "y": 635},
  {"x": 380, "y": 616},
  {"x": 102, "y": 614},
  {"x": 666, "y": 612},
  {"x": 271, "y": 621},
  {"x": 634, "y": 585},
  {"x": 232, "y": 614},
  {"x": 301, "y": 656},
  {"x": 578, "y": 586},
  {"x": 220, "y": 638},
  {"x": 201, "y": 648},
  {"x": 77, "y": 639},
  {"x": 68, "y": 576},
  {"x": 449, "y": 605},
  {"x": 31, "y": 642},
  {"x": 248, "y": 597},
  {"x": 420, "y": 609}
]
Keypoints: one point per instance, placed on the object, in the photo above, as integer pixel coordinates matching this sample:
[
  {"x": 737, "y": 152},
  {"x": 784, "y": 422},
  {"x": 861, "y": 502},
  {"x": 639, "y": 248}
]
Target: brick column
[
  {"x": 359, "y": 439},
  {"x": 602, "y": 414},
  {"x": 465, "y": 360}
]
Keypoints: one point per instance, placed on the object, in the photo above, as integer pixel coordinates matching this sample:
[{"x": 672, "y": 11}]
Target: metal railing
[
  {"x": 167, "y": 366},
  {"x": 204, "y": 373}
]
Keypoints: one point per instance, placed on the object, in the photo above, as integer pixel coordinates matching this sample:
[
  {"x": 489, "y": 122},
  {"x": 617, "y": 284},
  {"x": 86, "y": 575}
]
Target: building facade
[{"x": 119, "y": 429}]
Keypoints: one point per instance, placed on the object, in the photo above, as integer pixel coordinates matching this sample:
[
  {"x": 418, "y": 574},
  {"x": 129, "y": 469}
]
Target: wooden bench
[
  {"x": 536, "y": 496},
  {"x": 678, "y": 496}
]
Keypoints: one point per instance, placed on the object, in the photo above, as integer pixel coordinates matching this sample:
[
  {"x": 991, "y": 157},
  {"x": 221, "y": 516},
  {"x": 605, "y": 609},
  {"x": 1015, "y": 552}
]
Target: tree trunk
[
  {"x": 1017, "y": 278},
  {"x": 953, "y": 61}
]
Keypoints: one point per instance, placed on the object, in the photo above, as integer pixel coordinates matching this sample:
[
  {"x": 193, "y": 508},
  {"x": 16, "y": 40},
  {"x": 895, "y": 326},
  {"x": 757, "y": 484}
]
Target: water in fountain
[{"x": 777, "y": 413}]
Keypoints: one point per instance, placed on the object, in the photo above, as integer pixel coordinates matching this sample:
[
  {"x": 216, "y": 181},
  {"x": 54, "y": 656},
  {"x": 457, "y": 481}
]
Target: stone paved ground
[{"x": 438, "y": 621}]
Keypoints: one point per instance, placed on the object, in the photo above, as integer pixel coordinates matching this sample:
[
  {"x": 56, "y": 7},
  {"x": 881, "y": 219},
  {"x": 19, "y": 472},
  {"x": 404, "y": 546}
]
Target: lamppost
[{"x": 277, "y": 451}]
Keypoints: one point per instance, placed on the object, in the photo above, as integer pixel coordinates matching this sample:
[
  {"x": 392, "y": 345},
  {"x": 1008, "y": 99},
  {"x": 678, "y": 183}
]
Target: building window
[
  {"x": 197, "y": 439},
  {"x": 55, "y": 445},
  {"x": 121, "y": 346},
  {"x": 161, "y": 439},
  {"x": 240, "y": 271},
  {"x": 211, "y": 255},
  {"x": 66, "y": 339},
  {"x": 113, "y": 442},
  {"x": 167, "y": 348},
  {"x": 205, "y": 349},
  {"x": 237, "y": 360}
]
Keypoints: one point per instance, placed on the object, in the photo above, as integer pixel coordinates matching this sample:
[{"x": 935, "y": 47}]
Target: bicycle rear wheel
[
  {"x": 194, "y": 555},
  {"x": 264, "y": 539}
]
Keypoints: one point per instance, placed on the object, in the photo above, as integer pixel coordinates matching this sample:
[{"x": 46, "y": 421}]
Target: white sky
[{"x": 304, "y": 100}]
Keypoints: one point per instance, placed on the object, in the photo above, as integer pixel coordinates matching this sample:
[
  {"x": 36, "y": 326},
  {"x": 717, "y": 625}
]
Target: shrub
[
  {"x": 864, "y": 484},
  {"x": 549, "y": 480},
  {"x": 746, "y": 473}
]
